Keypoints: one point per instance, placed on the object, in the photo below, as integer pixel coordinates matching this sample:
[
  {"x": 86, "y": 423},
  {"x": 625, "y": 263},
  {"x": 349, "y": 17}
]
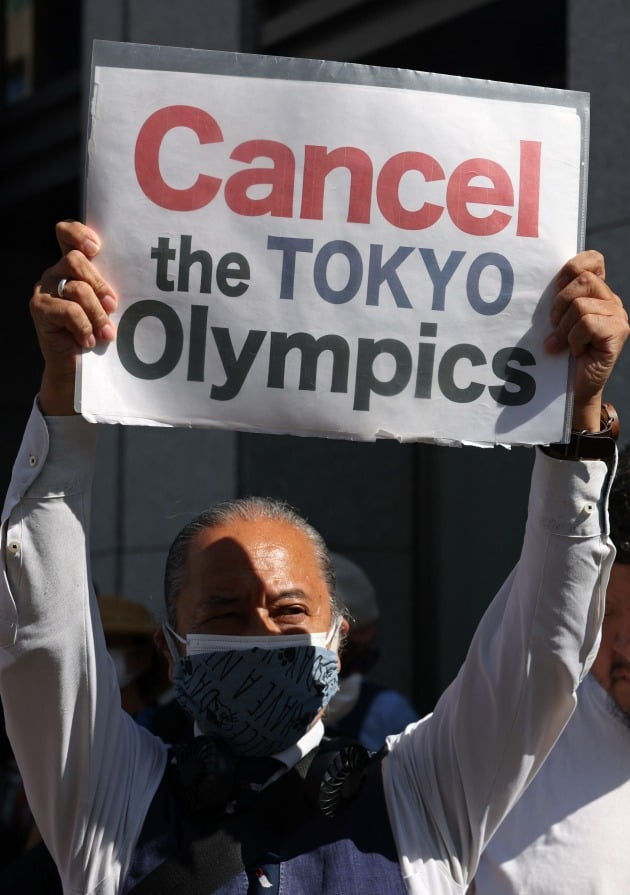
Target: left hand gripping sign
[{"x": 330, "y": 249}]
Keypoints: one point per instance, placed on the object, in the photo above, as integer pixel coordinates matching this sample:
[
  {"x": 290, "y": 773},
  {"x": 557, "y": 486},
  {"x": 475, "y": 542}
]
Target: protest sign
[{"x": 330, "y": 249}]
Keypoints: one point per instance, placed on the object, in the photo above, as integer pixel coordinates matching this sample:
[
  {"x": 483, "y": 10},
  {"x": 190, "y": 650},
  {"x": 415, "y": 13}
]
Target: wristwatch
[{"x": 585, "y": 445}]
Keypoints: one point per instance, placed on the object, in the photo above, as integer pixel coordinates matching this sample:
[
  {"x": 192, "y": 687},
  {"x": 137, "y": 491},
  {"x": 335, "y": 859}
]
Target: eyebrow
[{"x": 222, "y": 599}]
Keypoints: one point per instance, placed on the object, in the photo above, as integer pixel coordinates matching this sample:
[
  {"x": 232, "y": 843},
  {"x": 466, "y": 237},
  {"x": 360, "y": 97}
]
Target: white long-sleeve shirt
[
  {"x": 90, "y": 772},
  {"x": 568, "y": 834}
]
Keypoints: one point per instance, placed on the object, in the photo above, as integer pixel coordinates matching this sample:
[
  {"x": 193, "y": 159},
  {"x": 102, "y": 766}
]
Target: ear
[
  {"x": 161, "y": 645},
  {"x": 344, "y": 629}
]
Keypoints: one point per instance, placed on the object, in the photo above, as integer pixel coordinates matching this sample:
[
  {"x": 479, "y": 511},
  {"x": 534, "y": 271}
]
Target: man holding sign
[{"x": 252, "y": 635}]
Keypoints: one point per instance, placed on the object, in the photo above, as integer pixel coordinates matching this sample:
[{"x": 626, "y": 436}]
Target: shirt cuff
[
  {"x": 570, "y": 497},
  {"x": 56, "y": 457}
]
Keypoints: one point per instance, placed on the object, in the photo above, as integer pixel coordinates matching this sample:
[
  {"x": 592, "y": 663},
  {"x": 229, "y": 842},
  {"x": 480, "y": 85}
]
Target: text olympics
[{"x": 453, "y": 370}]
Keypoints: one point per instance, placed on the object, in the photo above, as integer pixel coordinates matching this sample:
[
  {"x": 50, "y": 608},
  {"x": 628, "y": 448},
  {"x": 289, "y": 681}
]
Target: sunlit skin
[
  {"x": 253, "y": 578},
  {"x": 612, "y": 665}
]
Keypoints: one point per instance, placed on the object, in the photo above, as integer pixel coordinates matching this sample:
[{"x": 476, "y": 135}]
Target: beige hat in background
[
  {"x": 355, "y": 590},
  {"x": 122, "y": 616}
]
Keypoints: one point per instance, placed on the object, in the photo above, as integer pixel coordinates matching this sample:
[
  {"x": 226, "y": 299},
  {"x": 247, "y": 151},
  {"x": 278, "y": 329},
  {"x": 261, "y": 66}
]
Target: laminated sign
[{"x": 330, "y": 249}]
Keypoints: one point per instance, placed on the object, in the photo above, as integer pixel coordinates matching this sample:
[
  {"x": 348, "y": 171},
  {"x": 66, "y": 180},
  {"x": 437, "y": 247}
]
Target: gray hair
[{"x": 246, "y": 509}]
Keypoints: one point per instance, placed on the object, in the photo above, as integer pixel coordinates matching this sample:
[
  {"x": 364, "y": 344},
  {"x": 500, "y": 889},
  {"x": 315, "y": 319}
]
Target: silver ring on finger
[{"x": 61, "y": 285}]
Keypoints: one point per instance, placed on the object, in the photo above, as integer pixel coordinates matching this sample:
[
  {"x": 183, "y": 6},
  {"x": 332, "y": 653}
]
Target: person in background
[
  {"x": 142, "y": 676},
  {"x": 145, "y": 690},
  {"x": 141, "y": 670},
  {"x": 362, "y": 708},
  {"x": 16, "y": 821},
  {"x": 568, "y": 834}
]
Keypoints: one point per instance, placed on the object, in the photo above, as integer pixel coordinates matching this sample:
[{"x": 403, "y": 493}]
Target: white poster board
[{"x": 330, "y": 249}]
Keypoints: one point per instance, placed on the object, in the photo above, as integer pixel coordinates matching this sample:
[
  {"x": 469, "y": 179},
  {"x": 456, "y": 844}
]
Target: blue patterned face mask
[{"x": 257, "y": 694}]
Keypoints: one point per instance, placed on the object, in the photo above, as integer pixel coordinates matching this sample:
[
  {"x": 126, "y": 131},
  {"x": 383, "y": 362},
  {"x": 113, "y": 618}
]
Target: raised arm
[
  {"x": 452, "y": 779},
  {"x": 88, "y": 769}
]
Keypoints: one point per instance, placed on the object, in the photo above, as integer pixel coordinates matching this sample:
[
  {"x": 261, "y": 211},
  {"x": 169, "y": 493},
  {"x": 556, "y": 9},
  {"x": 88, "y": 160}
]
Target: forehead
[{"x": 273, "y": 551}]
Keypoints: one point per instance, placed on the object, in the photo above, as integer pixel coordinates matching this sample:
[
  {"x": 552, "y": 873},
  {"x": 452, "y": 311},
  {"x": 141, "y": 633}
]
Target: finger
[
  {"x": 80, "y": 294},
  {"x": 76, "y": 235},
  {"x": 587, "y": 307},
  {"x": 604, "y": 334},
  {"x": 75, "y": 268},
  {"x": 587, "y": 284},
  {"x": 91, "y": 295},
  {"x": 589, "y": 260},
  {"x": 587, "y": 329},
  {"x": 54, "y": 317}
]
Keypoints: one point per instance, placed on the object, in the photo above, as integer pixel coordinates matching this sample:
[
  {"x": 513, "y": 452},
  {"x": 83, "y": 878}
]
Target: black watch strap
[{"x": 585, "y": 445}]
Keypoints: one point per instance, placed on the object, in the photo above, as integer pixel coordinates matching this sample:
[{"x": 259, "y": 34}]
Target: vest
[{"x": 352, "y": 853}]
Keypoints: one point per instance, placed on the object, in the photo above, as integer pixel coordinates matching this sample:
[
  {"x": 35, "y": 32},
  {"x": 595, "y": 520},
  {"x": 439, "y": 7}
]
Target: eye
[
  {"x": 289, "y": 611},
  {"x": 218, "y": 619}
]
